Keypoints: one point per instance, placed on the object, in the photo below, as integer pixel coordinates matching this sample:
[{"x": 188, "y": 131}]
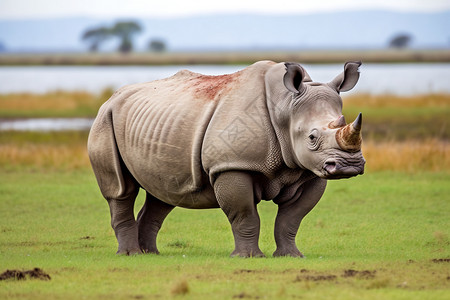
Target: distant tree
[
  {"x": 125, "y": 31},
  {"x": 402, "y": 40},
  {"x": 96, "y": 36},
  {"x": 157, "y": 45}
]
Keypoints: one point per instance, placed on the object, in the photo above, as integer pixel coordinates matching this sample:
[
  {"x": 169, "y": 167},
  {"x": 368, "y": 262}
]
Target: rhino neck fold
[
  {"x": 279, "y": 105},
  {"x": 280, "y": 118}
]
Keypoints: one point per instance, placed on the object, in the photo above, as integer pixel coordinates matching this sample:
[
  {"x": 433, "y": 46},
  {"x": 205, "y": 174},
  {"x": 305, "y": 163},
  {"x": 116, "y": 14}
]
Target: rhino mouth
[{"x": 335, "y": 169}]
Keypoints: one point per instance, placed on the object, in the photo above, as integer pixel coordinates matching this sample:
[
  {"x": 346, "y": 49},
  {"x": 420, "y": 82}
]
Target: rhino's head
[{"x": 321, "y": 140}]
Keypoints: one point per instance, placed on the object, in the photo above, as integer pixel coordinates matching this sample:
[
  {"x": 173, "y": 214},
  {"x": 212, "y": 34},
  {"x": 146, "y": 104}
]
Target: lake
[
  {"x": 400, "y": 79},
  {"x": 46, "y": 124}
]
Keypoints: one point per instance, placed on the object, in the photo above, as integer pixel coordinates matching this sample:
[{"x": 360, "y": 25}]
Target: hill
[{"x": 342, "y": 30}]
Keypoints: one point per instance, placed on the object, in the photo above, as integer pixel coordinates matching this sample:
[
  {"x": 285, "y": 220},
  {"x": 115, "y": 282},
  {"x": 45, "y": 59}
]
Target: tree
[
  {"x": 157, "y": 45},
  {"x": 96, "y": 36},
  {"x": 125, "y": 31},
  {"x": 402, "y": 40}
]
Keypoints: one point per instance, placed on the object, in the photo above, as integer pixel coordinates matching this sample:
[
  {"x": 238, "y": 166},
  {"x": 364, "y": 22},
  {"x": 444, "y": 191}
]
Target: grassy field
[
  {"x": 383, "y": 235},
  {"x": 380, "y": 236}
]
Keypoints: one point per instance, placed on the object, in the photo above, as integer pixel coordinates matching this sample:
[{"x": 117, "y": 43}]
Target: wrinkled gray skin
[{"x": 196, "y": 141}]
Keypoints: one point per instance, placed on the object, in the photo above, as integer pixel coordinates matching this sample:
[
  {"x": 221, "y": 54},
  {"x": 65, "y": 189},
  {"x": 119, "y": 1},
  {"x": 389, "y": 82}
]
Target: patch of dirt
[
  {"x": 244, "y": 295},
  {"x": 365, "y": 274},
  {"x": 87, "y": 238},
  {"x": 36, "y": 273},
  {"x": 441, "y": 260},
  {"x": 304, "y": 271},
  {"x": 246, "y": 271},
  {"x": 178, "y": 244},
  {"x": 180, "y": 288},
  {"x": 315, "y": 278}
]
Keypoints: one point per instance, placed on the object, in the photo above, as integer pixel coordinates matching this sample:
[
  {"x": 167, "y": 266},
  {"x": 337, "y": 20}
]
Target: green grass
[{"x": 390, "y": 224}]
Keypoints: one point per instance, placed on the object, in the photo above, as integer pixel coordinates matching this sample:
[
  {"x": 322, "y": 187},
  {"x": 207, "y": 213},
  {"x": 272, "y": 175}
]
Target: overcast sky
[{"x": 34, "y": 9}]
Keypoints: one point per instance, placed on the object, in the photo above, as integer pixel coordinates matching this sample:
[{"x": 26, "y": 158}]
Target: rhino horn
[
  {"x": 349, "y": 137},
  {"x": 339, "y": 122}
]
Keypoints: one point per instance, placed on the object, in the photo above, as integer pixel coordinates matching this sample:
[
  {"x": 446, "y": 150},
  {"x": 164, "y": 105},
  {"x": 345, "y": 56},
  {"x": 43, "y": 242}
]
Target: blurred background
[{"x": 60, "y": 62}]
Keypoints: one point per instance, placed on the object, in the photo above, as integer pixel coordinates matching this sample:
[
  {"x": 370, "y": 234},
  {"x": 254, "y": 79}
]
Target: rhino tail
[{"x": 113, "y": 177}]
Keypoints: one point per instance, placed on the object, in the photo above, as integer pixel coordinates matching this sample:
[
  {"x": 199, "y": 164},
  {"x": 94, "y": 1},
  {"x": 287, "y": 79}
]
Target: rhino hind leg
[
  {"x": 290, "y": 214},
  {"x": 234, "y": 193},
  {"x": 124, "y": 225},
  {"x": 116, "y": 183},
  {"x": 150, "y": 219}
]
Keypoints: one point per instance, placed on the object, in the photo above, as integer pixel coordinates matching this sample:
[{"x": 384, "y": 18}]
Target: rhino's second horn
[
  {"x": 349, "y": 137},
  {"x": 339, "y": 122}
]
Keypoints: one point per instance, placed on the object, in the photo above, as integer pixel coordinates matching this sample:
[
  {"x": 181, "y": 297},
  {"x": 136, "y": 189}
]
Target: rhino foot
[
  {"x": 149, "y": 249},
  {"x": 293, "y": 252},
  {"x": 127, "y": 236},
  {"x": 128, "y": 252},
  {"x": 247, "y": 253}
]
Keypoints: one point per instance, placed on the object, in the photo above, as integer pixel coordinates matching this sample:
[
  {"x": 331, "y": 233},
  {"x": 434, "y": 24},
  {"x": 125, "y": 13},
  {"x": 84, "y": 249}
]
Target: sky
[{"x": 37, "y": 9}]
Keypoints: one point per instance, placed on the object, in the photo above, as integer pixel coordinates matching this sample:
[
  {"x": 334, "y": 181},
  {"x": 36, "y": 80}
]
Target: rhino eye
[
  {"x": 313, "y": 139},
  {"x": 313, "y": 135}
]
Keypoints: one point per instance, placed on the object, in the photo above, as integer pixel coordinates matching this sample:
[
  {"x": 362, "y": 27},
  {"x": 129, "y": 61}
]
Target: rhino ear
[
  {"x": 294, "y": 77},
  {"x": 347, "y": 80}
]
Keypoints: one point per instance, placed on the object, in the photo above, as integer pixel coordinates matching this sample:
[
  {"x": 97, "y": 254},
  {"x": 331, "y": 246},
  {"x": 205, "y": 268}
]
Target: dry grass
[
  {"x": 53, "y": 101},
  {"x": 394, "y": 101},
  {"x": 43, "y": 150},
  {"x": 52, "y": 104},
  {"x": 409, "y": 156},
  {"x": 44, "y": 156}
]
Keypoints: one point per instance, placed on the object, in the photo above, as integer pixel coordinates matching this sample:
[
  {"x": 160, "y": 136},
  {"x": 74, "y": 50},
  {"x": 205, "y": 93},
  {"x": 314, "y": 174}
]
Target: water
[
  {"x": 400, "y": 79},
  {"x": 48, "y": 124}
]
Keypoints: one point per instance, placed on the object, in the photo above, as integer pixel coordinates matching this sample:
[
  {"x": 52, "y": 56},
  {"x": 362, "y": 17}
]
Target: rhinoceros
[{"x": 228, "y": 141}]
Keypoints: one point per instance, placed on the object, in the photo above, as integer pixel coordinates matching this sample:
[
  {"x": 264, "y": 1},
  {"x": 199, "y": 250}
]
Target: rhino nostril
[{"x": 330, "y": 166}]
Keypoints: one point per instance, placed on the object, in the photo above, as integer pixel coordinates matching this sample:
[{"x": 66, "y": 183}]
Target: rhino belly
[{"x": 161, "y": 146}]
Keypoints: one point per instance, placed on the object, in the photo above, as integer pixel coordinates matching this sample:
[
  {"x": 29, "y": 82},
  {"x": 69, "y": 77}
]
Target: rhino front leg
[
  {"x": 150, "y": 219},
  {"x": 234, "y": 193},
  {"x": 291, "y": 213}
]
